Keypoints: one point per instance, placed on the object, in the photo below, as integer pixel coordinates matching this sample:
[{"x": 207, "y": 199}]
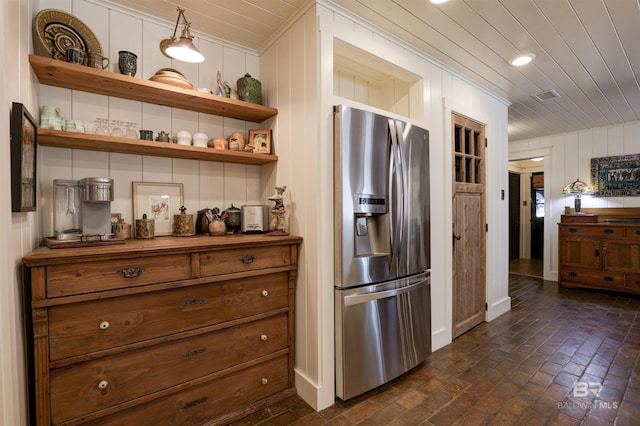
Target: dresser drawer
[
  {"x": 86, "y": 277},
  {"x": 632, "y": 232},
  {"x": 245, "y": 259},
  {"x": 632, "y": 283},
  {"x": 90, "y": 386},
  {"x": 202, "y": 404},
  {"x": 591, "y": 231},
  {"x": 600, "y": 279},
  {"x": 96, "y": 325}
]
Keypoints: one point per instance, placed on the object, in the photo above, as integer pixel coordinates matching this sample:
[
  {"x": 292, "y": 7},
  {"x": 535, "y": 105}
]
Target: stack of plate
[{"x": 172, "y": 77}]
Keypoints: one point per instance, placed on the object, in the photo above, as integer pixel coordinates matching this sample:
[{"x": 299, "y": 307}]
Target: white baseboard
[
  {"x": 440, "y": 339},
  {"x": 498, "y": 308},
  {"x": 317, "y": 397}
]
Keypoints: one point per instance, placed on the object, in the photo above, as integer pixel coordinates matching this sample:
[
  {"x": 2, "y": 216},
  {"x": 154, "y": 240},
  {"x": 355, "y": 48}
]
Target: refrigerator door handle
[
  {"x": 356, "y": 299},
  {"x": 396, "y": 200},
  {"x": 404, "y": 208}
]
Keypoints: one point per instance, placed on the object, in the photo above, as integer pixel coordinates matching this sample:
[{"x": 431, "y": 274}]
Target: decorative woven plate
[
  {"x": 173, "y": 81},
  {"x": 55, "y": 30}
]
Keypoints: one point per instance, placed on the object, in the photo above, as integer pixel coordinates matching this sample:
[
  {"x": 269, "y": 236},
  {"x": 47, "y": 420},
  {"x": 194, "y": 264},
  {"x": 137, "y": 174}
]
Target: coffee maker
[{"x": 83, "y": 208}]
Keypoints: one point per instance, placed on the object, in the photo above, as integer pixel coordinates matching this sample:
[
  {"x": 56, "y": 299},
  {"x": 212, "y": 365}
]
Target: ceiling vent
[{"x": 545, "y": 96}]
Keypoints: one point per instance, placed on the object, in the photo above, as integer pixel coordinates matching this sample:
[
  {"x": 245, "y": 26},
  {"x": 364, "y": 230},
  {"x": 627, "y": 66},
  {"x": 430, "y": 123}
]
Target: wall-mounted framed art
[
  {"x": 24, "y": 133},
  {"x": 616, "y": 176}
]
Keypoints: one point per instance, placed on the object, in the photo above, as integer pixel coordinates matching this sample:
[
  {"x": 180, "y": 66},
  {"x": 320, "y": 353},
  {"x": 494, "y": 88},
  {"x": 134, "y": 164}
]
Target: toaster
[{"x": 254, "y": 219}]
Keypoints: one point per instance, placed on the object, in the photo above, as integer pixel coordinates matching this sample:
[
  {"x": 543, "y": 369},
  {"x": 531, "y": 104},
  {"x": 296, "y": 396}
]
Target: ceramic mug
[
  {"x": 96, "y": 60},
  {"x": 183, "y": 137},
  {"x": 200, "y": 139},
  {"x": 146, "y": 135},
  {"x": 74, "y": 55},
  {"x": 127, "y": 63}
]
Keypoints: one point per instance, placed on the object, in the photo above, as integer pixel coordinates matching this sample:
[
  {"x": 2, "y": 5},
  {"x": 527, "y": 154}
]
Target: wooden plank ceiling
[{"x": 587, "y": 51}]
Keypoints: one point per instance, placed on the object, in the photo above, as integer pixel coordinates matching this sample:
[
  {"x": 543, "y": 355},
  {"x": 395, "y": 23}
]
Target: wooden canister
[
  {"x": 123, "y": 231},
  {"x": 183, "y": 225},
  {"x": 145, "y": 228}
]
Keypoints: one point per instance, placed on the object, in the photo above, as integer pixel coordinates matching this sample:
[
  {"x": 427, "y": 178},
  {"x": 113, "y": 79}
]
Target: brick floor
[{"x": 559, "y": 357}]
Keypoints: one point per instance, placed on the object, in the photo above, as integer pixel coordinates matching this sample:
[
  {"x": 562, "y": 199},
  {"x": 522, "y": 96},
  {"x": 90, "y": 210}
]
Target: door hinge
[
  {"x": 486, "y": 306},
  {"x": 485, "y": 142},
  {"x": 486, "y": 227}
]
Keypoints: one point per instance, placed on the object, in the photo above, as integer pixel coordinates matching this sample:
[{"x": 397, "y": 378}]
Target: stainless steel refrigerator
[{"x": 382, "y": 253}]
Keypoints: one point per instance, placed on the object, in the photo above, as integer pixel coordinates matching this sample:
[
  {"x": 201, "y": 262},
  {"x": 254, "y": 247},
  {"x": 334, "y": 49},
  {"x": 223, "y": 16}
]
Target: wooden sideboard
[
  {"x": 600, "y": 250},
  {"x": 188, "y": 331}
]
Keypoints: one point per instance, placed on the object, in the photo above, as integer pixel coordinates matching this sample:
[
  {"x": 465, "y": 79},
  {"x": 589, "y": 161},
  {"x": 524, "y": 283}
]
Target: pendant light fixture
[{"x": 183, "y": 48}]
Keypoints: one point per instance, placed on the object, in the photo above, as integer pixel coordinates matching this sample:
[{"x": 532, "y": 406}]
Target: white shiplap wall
[
  {"x": 206, "y": 184},
  {"x": 18, "y": 231},
  {"x": 567, "y": 157},
  {"x": 299, "y": 74}
]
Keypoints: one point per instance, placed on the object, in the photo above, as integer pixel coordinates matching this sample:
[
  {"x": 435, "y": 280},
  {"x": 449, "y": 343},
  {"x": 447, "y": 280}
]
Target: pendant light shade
[{"x": 183, "y": 48}]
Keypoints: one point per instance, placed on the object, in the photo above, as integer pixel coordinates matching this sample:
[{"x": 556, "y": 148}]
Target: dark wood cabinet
[
  {"x": 185, "y": 331},
  {"x": 598, "y": 255}
]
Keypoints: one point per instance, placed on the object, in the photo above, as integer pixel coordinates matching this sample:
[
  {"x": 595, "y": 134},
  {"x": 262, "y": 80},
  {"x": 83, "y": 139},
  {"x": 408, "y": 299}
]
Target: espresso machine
[{"x": 83, "y": 208}]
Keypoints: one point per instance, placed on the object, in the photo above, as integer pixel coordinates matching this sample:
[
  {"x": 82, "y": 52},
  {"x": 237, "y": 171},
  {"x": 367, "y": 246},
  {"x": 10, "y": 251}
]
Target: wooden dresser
[
  {"x": 600, "y": 251},
  {"x": 180, "y": 331}
]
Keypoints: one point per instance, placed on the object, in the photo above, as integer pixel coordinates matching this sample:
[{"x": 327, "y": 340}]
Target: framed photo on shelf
[
  {"x": 159, "y": 201},
  {"x": 24, "y": 132},
  {"x": 261, "y": 141}
]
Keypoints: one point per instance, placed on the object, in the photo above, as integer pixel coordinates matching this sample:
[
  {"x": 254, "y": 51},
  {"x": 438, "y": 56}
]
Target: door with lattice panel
[{"x": 469, "y": 224}]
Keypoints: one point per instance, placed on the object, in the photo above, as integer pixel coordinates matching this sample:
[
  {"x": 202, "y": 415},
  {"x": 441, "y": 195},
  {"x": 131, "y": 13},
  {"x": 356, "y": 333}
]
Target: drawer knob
[
  {"x": 104, "y": 325},
  {"x": 596, "y": 253},
  {"x": 573, "y": 274},
  {"x": 637, "y": 282},
  {"x": 573, "y": 230},
  {"x": 264, "y": 381},
  {"x": 608, "y": 231},
  {"x": 263, "y": 337},
  {"x": 607, "y": 278},
  {"x": 249, "y": 258},
  {"x": 131, "y": 272},
  {"x": 265, "y": 293},
  {"x": 103, "y": 384}
]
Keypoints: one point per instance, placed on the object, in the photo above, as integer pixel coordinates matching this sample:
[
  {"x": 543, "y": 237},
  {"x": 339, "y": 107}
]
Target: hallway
[
  {"x": 527, "y": 267},
  {"x": 560, "y": 356}
]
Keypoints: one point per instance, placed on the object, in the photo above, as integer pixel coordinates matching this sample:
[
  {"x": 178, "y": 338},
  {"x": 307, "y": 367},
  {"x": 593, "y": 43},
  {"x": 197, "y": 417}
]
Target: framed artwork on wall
[
  {"x": 617, "y": 176},
  {"x": 159, "y": 201},
  {"x": 24, "y": 132}
]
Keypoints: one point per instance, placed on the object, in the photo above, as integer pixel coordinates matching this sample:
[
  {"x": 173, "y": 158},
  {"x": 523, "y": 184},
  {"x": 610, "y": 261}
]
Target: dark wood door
[
  {"x": 514, "y": 216},
  {"x": 537, "y": 215},
  {"x": 469, "y": 225}
]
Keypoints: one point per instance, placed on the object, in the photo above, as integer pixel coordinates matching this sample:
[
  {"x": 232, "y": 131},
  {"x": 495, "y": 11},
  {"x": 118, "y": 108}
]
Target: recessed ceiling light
[
  {"x": 438, "y": 1},
  {"x": 522, "y": 60}
]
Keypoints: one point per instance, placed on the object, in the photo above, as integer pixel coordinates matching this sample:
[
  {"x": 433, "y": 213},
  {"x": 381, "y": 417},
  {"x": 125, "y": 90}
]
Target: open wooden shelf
[
  {"x": 91, "y": 142},
  {"x": 58, "y": 73}
]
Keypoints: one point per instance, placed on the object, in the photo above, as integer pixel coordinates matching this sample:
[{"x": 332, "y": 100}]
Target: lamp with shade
[
  {"x": 577, "y": 188},
  {"x": 183, "y": 48}
]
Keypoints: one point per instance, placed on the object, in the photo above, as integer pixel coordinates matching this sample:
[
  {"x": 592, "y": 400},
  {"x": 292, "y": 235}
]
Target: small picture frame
[
  {"x": 159, "y": 201},
  {"x": 24, "y": 132},
  {"x": 261, "y": 141}
]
